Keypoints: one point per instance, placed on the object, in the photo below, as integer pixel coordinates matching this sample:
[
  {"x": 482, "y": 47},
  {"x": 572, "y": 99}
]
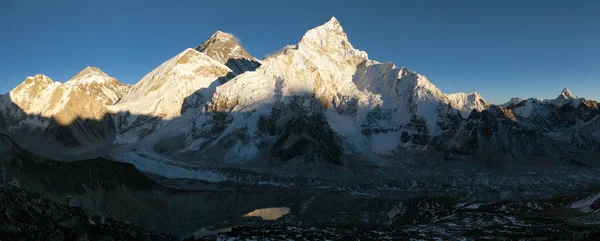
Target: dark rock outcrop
[{"x": 26, "y": 215}]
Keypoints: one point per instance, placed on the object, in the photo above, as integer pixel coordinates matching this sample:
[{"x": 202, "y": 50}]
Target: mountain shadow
[
  {"x": 71, "y": 177},
  {"x": 295, "y": 129},
  {"x": 93, "y": 138},
  {"x": 240, "y": 66}
]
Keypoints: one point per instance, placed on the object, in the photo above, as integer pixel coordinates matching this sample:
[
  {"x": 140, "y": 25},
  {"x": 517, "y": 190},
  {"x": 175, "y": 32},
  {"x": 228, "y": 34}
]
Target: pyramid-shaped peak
[
  {"x": 566, "y": 93},
  {"x": 329, "y": 35},
  {"x": 333, "y": 21},
  {"x": 220, "y": 35},
  {"x": 88, "y": 75},
  {"x": 333, "y": 25},
  {"x": 225, "y": 49},
  {"x": 91, "y": 70},
  {"x": 219, "y": 38}
]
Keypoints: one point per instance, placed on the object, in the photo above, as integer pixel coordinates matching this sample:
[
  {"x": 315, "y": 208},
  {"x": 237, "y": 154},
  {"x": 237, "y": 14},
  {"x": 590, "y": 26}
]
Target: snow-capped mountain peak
[
  {"x": 98, "y": 85},
  {"x": 32, "y": 85},
  {"x": 161, "y": 92},
  {"x": 565, "y": 97},
  {"x": 226, "y": 49},
  {"x": 39, "y": 79},
  {"x": 222, "y": 36},
  {"x": 512, "y": 101},
  {"x": 312, "y": 102},
  {"x": 465, "y": 103},
  {"x": 90, "y": 75},
  {"x": 567, "y": 94},
  {"x": 32, "y": 95},
  {"x": 328, "y": 38}
]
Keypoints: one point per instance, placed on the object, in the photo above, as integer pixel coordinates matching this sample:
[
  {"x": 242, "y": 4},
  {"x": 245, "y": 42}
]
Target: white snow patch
[
  {"x": 339, "y": 123},
  {"x": 526, "y": 110},
  {"x": 583, "y": 205},
  {"x": 35, "y": 122},
  {"x": 473, "y": 206},
  {"x": 146, "y": 164}
]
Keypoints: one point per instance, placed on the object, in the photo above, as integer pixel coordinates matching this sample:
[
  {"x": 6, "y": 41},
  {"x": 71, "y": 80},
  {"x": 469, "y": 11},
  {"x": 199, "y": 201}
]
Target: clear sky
[{"x": 500, "y": 49}]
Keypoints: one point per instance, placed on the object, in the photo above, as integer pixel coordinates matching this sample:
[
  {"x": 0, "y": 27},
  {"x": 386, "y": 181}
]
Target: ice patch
[
  {"x": 473, "y": 206},
  {"x": 526, "y": 110},
  {"x": 35, "y": 122},
  {"x": 583, "y": 205},
  {"x": 340, "y": 124},
  {"x": 153, "y": 165}
]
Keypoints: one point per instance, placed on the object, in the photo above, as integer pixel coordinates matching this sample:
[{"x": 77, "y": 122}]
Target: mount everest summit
[{"x": 320, "y": 102}]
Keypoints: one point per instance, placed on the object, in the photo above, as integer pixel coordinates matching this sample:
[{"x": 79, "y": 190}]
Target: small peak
[
  {"x": 90, "y": 70},
  {"x": 330, "y": 35},
  {"x": 333, "y": 20},
  {"x": 566, "y": 93},
  {"x": 333, "y": 24},
  {"x": 474, "y": 93},
  {"x": 40, "y": 78},
  {"x": 89, "y": 75},
  {"x": 220, "y": 34},
  {"x": 224, "y": 47},
  {"x": 33, "y": 82},
  {"x": 220, "y": 37}
]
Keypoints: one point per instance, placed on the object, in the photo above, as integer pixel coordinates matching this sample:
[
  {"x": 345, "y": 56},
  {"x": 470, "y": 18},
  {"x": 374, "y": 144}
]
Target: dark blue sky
[{"x": 498, "y": 48}]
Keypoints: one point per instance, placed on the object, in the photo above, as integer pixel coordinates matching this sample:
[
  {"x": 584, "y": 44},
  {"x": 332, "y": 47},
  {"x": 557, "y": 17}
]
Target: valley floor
[
  {"x": 28, "y": 215},
  {"x": 473, "y": 205}
]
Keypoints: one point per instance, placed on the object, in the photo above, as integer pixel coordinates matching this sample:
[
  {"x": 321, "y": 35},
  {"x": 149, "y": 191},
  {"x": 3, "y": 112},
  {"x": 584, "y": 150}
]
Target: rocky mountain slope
[{"x": 225, "y": 48}]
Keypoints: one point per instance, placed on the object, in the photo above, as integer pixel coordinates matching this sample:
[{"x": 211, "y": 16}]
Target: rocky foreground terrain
[
  {"x": 106, "y": 200},
  {"x": 29, "y": 216}
]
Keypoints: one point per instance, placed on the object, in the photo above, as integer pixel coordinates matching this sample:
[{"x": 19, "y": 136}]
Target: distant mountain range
[{"x": 319, "y": 103}]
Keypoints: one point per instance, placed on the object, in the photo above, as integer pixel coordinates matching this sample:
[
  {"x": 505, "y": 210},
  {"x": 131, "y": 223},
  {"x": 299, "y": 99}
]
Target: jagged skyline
[{"x": 518, "y": 61}]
